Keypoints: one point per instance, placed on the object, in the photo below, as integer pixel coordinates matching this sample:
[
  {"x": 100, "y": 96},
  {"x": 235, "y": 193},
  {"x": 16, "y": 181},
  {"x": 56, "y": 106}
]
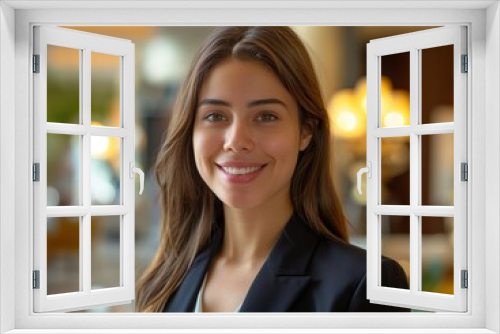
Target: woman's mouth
[
  {"x": 241, "y": 171},
  {"x": 241, "y": 174}
]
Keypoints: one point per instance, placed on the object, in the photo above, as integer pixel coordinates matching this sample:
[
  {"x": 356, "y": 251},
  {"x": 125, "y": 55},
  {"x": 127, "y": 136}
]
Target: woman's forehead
[{"x": 243, "y": 80}]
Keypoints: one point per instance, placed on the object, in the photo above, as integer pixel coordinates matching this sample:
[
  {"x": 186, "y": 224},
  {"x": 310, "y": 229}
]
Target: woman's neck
[{"x": 249, "y": 235}]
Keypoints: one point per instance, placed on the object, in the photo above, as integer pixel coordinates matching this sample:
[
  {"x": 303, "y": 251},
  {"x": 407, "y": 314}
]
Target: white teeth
[{"x": 240, "y": 171}]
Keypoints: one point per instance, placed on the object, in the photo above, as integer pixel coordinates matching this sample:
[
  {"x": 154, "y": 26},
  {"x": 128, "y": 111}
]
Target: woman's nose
[{"x": 238, "y": 137}]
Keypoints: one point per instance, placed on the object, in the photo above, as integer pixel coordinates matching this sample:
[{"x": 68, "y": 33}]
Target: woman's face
[{"x": 247, "y": 136}]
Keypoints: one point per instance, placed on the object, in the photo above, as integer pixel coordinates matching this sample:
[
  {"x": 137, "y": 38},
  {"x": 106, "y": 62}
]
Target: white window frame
[
  {"x": 413, "y": 44},
  {"x": 124, "y": 51},
  {"x": 483, "y": 21}
]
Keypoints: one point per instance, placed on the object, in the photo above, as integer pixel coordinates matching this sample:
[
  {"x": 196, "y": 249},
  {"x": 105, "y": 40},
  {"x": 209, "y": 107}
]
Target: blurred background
[{"x": 163, "y": 55}]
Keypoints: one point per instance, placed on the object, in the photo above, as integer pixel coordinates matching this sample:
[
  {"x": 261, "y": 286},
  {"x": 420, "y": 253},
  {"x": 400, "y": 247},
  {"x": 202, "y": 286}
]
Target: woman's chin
[{"x": 239, "y": 203}]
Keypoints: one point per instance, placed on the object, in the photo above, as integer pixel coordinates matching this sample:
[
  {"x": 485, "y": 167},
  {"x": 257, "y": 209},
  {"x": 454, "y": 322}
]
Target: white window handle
[
  {"x": 368, "y": 171},
  {"x": 133, "y": 170}
]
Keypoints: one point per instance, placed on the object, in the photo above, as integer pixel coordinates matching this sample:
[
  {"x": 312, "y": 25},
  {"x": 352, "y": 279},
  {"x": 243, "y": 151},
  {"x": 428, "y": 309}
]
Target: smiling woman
[
  {"x": 246, "y": 145},
  {"x": 251, "y": 220}
]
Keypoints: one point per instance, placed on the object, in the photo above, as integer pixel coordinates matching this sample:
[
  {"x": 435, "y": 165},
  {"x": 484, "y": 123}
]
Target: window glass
[
  {"x": 105, "y": 257},
  {"x": 395, "y": 235},
  {"x": 105, "y": 170},
  {"x": 63, "y": 80},
  {"x": 437, "y": 254},
  {"x": 63, "y": 255},
  {"x": 105, "y": 89},
  {"x": 437, "y": 84},
  {"x": 63, "y": 170},
  {"x": 437, "y": 169},
  {"x": 395, "y": 88},
  {"x": 395, "y": 170}
]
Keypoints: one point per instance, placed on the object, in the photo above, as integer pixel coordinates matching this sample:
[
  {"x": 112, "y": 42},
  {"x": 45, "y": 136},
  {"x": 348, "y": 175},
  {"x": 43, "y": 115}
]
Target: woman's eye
[
  {"x": 214, "y": 117},
  {"x": 267, "y": 117}
]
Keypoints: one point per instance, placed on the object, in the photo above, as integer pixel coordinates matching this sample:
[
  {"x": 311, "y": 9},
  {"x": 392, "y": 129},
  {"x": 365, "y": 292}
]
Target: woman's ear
[{"x": 305, "y": 137}]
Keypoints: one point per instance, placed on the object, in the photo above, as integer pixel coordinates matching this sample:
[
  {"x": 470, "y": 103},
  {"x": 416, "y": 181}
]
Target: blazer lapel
[
  {"x": 283, "y": 278},
  {"x": 184, "y": 298}
]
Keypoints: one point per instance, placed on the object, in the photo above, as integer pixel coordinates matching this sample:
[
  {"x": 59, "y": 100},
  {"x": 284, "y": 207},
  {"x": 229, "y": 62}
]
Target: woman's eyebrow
[
  {"x": 255, "y": 103},
  {"x": 213, "y": 102},
  {"x": 266, "y": 101}
]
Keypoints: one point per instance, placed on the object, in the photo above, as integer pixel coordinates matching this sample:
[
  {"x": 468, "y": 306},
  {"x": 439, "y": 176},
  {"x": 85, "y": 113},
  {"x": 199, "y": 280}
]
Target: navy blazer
[{"x": 304, "y": 272}]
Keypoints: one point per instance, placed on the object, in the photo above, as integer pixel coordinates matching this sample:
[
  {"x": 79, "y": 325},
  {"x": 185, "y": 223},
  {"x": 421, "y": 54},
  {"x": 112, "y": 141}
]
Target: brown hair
[{"x": 188, "y": 206}]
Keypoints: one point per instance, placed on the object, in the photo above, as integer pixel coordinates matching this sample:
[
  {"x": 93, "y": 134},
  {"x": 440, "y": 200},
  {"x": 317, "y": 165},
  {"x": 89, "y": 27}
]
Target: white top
[{"x": 198, "y": 307}]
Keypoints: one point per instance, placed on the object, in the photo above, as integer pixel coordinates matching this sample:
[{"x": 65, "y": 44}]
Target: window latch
[
  {"x": 132, "y": 171},
  {"x": 368, "y": 171}
]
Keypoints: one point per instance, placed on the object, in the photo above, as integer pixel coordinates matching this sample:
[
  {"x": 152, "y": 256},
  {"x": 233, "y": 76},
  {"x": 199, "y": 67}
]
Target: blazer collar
[
  {"x": 184, "y": 299},
  {"x": 280, "y": 281},
  {"x": 283, "y": 277}
]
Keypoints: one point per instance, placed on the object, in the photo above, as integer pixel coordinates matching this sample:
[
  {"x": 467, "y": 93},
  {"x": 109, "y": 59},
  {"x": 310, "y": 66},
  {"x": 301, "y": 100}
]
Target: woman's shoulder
[
  {"x": 302, "y": 250},
  {"x": 334, "y": 255}
]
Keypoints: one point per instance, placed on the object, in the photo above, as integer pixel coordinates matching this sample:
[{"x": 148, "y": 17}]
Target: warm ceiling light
[
  {"x": 347, "y": 121},
  {"x": 347, "y": 117},
  {"x": 347, "y": 108},
  {"x": 99, "y": 146},
  {"x": 393, "y": 118}
]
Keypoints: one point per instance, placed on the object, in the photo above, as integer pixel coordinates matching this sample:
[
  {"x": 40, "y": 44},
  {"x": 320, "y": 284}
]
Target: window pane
[
  {"x": 63, "y": 170},
  {"x": 63, "y": 85},
  {"x": 395, "y": 241},
  {"x": 437, "y": 84},
  {"x": 437, "y": 254},
  {"x": 105, "y": 170},
  {"x": 105, "y": 252},
  {"x": 395, "y": 90},
  {"x": 395, "y": 174},
  {"x": 437, "y": 169},
  {"x": 63, "y": 255},
  {"x": 105, "y": 100}
]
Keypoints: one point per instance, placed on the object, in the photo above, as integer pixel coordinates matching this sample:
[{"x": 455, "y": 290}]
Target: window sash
[
  {"x": 86, "y": 297},
  {"x": 414, "y": 297}
]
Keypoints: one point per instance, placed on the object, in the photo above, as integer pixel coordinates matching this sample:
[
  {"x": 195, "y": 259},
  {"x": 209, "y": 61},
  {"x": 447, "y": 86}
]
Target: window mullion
[
  {"x": 415, "y": 170},
  {"x": 80, "y": 130},
  {"x": 85, "y": 246},
  {"x": 108, "y": 210},
  {"x": 434, "y": 129},
  {"x": 388, "y": 210},
  {"x": 123, "y": 173},
  {"x": 81, "y": 174}
]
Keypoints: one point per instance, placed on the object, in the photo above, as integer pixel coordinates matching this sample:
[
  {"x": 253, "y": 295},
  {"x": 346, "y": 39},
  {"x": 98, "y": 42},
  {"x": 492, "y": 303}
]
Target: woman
[{"x": 251, "y": 220}]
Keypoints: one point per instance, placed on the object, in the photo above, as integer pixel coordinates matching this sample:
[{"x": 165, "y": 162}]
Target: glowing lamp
[
  {"x": 346, "y": 115},
  {"x": 347, "y": 109}
]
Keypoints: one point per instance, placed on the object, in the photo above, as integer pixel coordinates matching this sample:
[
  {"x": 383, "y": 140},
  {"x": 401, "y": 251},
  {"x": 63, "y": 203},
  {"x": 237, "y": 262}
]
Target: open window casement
[
  {"x": 417, "y": 45},
  {"x": 69, "y": 195}
]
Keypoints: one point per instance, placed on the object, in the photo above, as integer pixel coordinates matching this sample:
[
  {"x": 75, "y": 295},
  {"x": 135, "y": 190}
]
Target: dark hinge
[
  {"x": 36, "y": 63},
  {"x": 36, "y": 172},
  {"x": 464, "y": 172},
  {"x": 465, "y": 64},
  {"x": 36, "y": 279},
  {"x": 465, "y": 279}
]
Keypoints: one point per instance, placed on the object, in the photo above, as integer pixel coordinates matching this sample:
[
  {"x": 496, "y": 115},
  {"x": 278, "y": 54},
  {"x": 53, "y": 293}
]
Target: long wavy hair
[{"x": 188, "y": 206}]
